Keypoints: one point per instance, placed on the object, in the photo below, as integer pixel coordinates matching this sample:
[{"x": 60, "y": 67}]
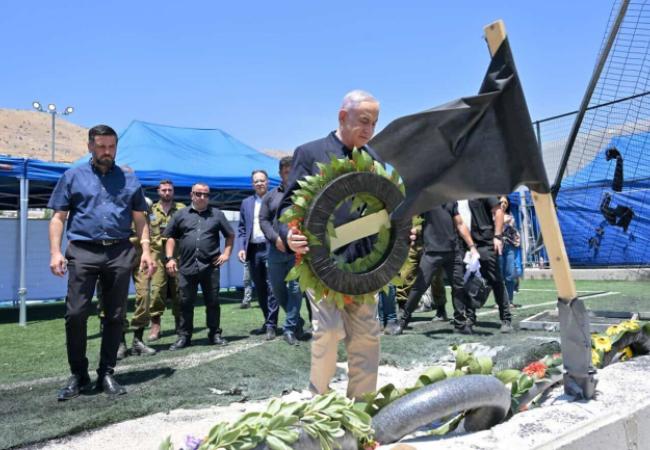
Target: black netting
[{"x": 603, "y": 201}]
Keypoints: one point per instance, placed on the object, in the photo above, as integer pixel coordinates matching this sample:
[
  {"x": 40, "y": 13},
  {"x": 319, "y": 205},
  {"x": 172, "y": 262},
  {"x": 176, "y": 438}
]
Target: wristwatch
[
  {"x": 498, "y": 236},
  {"x": 168, "y": 258}
]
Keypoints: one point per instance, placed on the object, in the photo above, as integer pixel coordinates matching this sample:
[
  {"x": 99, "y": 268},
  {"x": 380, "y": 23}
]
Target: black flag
[{"x": 469, "y": 148}]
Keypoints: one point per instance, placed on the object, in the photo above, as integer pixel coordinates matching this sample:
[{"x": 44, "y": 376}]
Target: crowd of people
[{"x": 170, "y": 250}]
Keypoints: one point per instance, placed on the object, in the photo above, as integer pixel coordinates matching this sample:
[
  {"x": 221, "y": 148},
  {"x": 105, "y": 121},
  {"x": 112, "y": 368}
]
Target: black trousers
[
  {"x": 452, "y": 264},
  {"x": 491, "y": 271},
  {"x": 112, "y": 265},
  {"x": 256, "y": 255},
  {"x": 209, "y": 280}
]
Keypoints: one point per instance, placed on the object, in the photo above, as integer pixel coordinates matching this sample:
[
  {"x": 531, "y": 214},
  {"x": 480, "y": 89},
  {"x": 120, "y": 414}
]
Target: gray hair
[
  {"x": 200, "y": 183},
  {"x": 353, "y": 98}
]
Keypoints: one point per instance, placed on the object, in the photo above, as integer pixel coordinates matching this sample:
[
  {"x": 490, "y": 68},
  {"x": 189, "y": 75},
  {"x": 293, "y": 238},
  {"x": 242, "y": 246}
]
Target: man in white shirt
[{"x": 253, "y": 249}]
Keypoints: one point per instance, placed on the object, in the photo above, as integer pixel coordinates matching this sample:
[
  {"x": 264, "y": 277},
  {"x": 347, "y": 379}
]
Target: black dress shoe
[
  {"x": 259, "y": 331},
  {"x": 109, "y": 386},
  {"x": 290, "y": 338},
  {"x": 270, "y": 333},
  {"x": 216, "y": 339},
  {"x": 180, "y": 343},
  {"x": 465, "y": 329},
  {"x": 74, "y": 386}
]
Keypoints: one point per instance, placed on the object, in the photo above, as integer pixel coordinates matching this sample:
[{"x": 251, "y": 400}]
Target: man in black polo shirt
[
  {"x": 486, "y": 229},
  {"x": 99, "y": 201},
  {"x": 196, "y": 229},
  {"x": 441, "y": 227}
]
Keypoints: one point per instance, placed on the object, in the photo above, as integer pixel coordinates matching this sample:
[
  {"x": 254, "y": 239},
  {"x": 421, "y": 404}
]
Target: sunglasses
[{"x": 201, "y": 194}]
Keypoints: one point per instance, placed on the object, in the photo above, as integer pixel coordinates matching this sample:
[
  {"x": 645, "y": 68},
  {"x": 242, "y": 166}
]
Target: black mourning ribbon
[{"x": 468, "y": 148}]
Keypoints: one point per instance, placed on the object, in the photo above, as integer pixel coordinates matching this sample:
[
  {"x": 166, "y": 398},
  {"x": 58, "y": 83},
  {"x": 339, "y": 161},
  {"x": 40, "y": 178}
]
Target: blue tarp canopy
[
  {"x": 155, "y": 152},
  {"x": 589, "y": 238},
  {"x": 189, "y": 155},
  {"x": 42, "y": 176}
]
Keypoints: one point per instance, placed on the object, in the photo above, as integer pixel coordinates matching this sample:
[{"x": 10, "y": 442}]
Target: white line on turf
[{"x": 536, "y": 305}]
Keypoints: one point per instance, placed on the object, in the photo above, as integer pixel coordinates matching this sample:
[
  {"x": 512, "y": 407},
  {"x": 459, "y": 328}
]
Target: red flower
[
  {"x": 348, "y": 300},
  {"x": 535, "y": 370}
]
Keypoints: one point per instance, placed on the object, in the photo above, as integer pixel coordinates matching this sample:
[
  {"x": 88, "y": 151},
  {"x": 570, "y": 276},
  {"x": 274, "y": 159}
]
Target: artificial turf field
[{"x": 33, "y": 362}]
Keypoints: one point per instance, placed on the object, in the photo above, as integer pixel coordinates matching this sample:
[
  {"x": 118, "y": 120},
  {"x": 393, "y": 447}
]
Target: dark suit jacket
[
  {"x": 304, "y": 163},
  {"x": 246, "y": 220}
]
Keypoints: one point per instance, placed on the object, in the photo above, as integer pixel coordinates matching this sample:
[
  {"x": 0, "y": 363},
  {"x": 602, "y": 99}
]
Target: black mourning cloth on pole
[
  {"x": 469, "y": 148},
  {"x": 617, "y": 182}
]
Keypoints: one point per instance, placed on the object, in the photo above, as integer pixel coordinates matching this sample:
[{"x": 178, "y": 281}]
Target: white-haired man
[{"x": 356, "y": 323}]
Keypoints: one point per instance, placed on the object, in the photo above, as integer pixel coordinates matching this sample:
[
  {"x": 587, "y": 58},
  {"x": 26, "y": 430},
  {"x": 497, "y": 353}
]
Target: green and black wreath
[{"x": 364, "y": 186}]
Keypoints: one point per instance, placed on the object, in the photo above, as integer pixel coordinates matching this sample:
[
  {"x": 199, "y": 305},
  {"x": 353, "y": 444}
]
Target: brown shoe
[{"x": 154, "y": 333}]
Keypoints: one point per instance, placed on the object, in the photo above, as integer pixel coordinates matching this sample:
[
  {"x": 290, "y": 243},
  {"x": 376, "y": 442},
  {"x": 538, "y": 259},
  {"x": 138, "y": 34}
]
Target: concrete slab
[
  {"x": 618, "y": 418},
  {"x": 599, "y": 321}
]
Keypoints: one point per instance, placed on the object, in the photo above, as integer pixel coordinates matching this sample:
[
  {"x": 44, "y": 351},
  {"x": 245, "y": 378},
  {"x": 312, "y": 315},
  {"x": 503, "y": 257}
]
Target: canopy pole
[
  {"x": 525, "y": 225},
  {"x": 575, "y": 336},
  {"x": 22, "y": 289}
]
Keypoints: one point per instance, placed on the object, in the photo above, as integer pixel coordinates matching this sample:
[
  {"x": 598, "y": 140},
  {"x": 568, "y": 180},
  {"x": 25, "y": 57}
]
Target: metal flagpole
[{"x": 22, "y": 289}]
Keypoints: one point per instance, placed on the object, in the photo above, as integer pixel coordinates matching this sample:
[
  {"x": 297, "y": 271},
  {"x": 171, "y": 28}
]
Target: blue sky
[{"x": 273, "y": 73}]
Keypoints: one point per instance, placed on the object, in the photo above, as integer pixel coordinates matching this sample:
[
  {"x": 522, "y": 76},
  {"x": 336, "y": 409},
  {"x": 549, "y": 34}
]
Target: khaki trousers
[
  {"x": 164, "y": 287},
  {"x": 358, "y": 327}
]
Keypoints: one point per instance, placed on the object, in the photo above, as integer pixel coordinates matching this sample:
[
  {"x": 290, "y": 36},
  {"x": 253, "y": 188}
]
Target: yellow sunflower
[
  {"x": 602, "y": 343},
  {"x": 627, "y": 353},
  {"x": 630, "y": 325},
  {"x": 596, "y": 360},
  {"x": 613, "y": 330}
]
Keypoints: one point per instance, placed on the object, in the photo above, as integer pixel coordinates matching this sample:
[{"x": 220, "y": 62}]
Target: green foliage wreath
[{"x": 303, "y": 199}]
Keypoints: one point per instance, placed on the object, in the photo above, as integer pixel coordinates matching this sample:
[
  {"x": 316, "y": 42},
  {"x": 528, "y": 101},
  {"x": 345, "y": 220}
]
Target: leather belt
[{"x": 107, "y": 242}]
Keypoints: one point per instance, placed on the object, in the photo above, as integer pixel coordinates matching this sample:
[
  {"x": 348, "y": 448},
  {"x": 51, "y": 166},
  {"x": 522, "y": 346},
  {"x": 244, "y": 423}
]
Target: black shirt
[
  {"x": 439, "y": 230},
  {"x": 197, "y": 237},
  {"x": 482, "y": 222}
]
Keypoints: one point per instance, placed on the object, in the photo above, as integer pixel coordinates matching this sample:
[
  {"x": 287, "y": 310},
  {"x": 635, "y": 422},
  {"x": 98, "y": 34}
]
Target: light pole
[{"x": 51, "y": 109}]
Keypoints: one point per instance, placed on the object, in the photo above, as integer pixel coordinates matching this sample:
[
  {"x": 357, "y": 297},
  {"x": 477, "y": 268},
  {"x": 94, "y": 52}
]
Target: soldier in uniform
[
  {"x": 163, "y": 286},
  {"x": 141, "y": 315}
]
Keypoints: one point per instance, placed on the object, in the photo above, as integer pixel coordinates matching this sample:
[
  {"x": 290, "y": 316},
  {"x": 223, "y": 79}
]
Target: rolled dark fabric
[
  {"x": 486, "y": 396},
  {"x": 324, "y": 205},
  {"x": 306, "y": 442}
]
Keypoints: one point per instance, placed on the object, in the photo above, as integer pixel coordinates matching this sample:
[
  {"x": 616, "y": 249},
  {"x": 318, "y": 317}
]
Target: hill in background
[{"x": 27, "y": 134}]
